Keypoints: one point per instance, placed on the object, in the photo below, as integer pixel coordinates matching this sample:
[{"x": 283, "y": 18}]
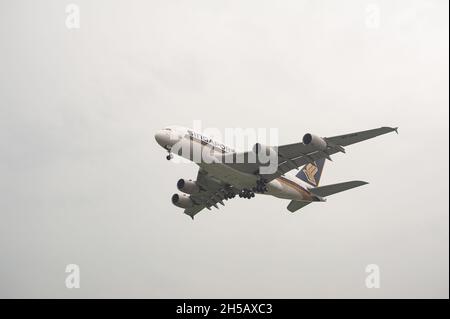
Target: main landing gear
[
  {"x": 260, "y": 186},
  {"x": 246, "y": 193},
  {"x": 229, "y": 195}
]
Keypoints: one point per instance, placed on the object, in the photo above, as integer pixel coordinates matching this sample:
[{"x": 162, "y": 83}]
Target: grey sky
[{"x": 84, "y": 182}]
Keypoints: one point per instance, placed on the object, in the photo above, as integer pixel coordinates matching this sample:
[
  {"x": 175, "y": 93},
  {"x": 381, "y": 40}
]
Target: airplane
[{"x": 224, "y": 173}]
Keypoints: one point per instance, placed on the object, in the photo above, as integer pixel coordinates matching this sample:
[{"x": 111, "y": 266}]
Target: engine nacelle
[
  {"x": 182, "y": 200},
  {"x": 188, "y": 186},
  {"x": 315, "y": 141}
]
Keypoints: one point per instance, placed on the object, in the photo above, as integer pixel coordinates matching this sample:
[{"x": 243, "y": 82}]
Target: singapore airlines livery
[{"x": 272, "y": 170}]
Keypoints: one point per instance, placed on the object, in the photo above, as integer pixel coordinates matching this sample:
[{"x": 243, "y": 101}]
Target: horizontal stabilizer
[
  {"x": 328, "y": 190},
  {"x": 296, "y": 205}
]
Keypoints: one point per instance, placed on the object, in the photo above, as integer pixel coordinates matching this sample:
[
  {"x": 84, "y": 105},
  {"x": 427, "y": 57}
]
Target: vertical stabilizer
[{"x": 312, "y": 172}]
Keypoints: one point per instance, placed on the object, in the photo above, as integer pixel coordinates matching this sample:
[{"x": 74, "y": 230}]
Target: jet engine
[
  {"x": 188, "y": 186},
  {"x": 315, "y": 141},
  {"x": 182, "y": 200}
]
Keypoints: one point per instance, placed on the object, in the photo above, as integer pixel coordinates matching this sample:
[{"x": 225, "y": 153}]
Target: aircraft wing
[
  {"x": 212, "y": 193},
  {"x": 293, "y": 156}
]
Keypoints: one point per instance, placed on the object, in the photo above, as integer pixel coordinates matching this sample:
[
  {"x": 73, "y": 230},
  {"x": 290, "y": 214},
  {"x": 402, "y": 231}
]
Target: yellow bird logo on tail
[{"x": 310, "y": 171}]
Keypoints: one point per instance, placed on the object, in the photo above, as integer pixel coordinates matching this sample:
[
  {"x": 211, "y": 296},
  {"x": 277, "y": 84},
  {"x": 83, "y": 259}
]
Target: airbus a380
[{"x": 224, "y": 173}]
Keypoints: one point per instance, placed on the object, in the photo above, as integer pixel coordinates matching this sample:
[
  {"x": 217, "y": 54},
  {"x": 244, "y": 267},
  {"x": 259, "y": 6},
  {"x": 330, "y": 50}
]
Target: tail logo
[{"x": 310, "y": 171}]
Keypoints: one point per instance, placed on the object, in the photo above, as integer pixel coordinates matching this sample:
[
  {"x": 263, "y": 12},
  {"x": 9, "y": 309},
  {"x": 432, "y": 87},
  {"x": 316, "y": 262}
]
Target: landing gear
[
  {"x": 228, "y": 192},
  {"x": 230, "y": 195},
  {"x": 246, "y": 193},
  {"x": 260, "y": 186},
  {"x": 169, "y": 151}
]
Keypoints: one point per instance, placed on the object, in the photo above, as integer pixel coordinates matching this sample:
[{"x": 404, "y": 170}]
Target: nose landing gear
[{"x": 170, "y": 155}]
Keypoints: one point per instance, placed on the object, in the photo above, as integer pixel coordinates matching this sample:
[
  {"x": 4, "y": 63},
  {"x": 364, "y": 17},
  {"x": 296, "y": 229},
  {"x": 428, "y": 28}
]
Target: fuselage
[{"x": 187, "y": 143}]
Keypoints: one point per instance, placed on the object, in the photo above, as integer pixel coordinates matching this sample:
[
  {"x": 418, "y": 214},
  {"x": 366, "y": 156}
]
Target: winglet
[{"x": 391, "y": 129}]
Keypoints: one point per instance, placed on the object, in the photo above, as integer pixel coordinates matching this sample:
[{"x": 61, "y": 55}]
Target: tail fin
[
  {"x": 296, "y": 205},
  {"x": 324, "y": 191},
  {"x": 311, "y": 172}
]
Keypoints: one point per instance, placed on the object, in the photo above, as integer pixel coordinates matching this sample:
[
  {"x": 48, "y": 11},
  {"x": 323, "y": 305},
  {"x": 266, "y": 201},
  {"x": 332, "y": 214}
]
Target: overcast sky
[{"x": 84, "y": 182}]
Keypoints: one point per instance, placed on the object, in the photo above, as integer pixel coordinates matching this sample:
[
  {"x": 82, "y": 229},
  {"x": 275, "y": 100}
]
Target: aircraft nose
[{"x": 162, "y": 138}]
